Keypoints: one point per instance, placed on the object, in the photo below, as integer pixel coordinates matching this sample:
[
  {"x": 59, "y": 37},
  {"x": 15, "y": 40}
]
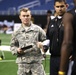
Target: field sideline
[
  {"x": 6, "y": 61},
  {"x": 10, "y": 59},
  {"x": 7, "y": 48}
]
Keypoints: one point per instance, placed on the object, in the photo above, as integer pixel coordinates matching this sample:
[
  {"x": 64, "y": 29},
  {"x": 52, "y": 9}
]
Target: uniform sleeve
[
  {"x": 42, "y": 35},
  {"x": 14, "y": 44}
]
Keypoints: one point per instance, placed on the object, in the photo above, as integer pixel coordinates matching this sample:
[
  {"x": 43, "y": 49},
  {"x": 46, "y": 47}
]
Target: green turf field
[
  {"x": 8, "y": 65},
  {"x": 5, "y": 39}
]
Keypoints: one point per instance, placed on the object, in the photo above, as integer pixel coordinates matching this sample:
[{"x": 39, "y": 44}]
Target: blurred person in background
[
  {"x": 49, "y": 13},
  {"x": 55, "y": 35},
  {"x": 25, "y": 44},
  {"x": 69, "y": 41}
]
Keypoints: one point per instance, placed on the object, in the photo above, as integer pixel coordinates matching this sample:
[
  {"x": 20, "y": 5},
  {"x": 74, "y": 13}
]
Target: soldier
[{"x": 24, "y": 44}]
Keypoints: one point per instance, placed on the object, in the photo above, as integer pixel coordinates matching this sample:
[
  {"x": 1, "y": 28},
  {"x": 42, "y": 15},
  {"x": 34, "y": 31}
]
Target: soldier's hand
[
  {"x": 39, "y": 45},
  {"x": 20, "y": 51}
]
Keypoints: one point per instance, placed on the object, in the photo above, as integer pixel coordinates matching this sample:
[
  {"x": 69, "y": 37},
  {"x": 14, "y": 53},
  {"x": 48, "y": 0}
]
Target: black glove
[
  {"x": 44, "y": 55},
  {"x": 45, "y": 48}
]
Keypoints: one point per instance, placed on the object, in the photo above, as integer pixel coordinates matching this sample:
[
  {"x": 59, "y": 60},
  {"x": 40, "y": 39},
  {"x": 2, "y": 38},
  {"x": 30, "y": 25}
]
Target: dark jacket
[{"x": 55, "y": 35}]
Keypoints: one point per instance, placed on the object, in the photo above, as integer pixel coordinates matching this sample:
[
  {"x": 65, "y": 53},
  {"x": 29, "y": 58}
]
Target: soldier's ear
[
  {"x": 19, "y": 16},
  {"x": 67, "y": 5}
]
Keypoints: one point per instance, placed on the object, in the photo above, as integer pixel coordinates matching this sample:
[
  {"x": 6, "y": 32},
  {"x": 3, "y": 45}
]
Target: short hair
[
  {"x": 24, "y": 9},
  {"x": 59, "y": 1},
  {"x": 49, "y": 11}
]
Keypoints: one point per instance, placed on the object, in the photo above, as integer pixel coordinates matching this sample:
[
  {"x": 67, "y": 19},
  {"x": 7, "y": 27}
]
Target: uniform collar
[
  {"x": 30, "y": 28},
  {"x": 59, "y": 17}
]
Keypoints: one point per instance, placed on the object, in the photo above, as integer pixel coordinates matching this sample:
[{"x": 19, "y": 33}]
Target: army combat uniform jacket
[{"x": 22, "y": 38}]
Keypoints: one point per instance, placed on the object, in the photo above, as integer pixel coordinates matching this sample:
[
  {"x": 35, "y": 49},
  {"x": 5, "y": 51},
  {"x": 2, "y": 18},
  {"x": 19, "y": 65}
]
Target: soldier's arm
[
  {"x": 67, "y": 41},
  {"x": 42, "y": 35},
  {"x": 14, "y": 45},
  {"x": 44, "y": 43}
]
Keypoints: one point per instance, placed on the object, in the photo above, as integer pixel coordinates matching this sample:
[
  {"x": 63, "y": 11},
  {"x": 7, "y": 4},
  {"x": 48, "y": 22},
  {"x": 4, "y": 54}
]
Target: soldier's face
[
  {"x": 60, "y": 8},
  {"x": 25, "y": 17}
]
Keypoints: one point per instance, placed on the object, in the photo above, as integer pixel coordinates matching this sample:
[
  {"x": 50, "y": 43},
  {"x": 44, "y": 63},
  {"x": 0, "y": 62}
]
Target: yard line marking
[
  {"x": 47, "y": 73},
  {"x": 6, "y": 60},
  {"x": 15, "y": 60}
]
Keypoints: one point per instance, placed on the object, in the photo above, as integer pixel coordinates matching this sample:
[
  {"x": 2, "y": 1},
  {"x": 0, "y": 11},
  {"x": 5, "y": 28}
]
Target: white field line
[
  {"x": 7, "y": 48},
  {"x": 7, "y": 60},
  {"x": 47, "y": 73},
  {"x": 4, "y": 48},
  {"x": 14, "y": 61}
]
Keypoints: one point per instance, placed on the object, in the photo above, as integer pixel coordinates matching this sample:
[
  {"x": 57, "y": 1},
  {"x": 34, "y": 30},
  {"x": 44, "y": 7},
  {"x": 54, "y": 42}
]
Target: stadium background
[
  {"x": 9, "y": 9},
  {"x": 9, "y": 16}
]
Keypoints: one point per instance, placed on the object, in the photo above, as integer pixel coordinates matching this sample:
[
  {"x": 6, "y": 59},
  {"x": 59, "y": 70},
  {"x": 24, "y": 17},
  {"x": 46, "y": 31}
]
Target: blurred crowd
[{"x": 6, "y": 27}]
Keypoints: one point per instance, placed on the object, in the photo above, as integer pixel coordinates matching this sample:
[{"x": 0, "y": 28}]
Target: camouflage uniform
[{"x": 32, "y": 58}]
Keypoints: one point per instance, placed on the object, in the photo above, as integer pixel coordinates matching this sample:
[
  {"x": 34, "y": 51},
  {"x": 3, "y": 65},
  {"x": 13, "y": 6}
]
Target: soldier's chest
[{"x": 29, "y": 35}]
